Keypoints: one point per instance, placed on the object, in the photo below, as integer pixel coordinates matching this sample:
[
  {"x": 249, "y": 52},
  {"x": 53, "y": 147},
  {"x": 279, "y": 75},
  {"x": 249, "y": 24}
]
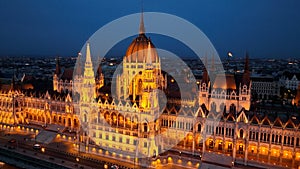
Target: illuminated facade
[
  {"x": 24, "y": 108},
  {"x": 65, "y": 79},
  {"x": 219, "y": 120}
]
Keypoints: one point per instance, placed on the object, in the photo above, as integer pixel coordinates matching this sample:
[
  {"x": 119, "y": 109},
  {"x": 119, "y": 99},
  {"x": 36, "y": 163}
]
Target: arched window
[
  {"x": 145, "y": 127},
  {"x": 232, "y": 108},
  {"x": 199, "y": 127},
  {"x": 222, "y": 108},
  {"x": 213, "y": 107},
  {"x": 241, "y": 133},
  {"x": 140, "y": 86},
  {"x": 84, "y": 118}
]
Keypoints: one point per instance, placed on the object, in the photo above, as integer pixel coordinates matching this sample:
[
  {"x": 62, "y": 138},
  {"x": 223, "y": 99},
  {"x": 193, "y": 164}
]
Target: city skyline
[{"x": 264, "y": 29}]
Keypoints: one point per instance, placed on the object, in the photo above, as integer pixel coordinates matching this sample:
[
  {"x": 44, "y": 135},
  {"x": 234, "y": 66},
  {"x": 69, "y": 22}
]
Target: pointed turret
[
  {"x": 142, "y": 26},
  {"x": 99, "y": 69},
  {"x": 149, "y": 57},
  {"x": 88, "y": 59},
  {"x": 88, "y": 73},
  {"x": 246, "y": 75},
  {"x": 205, "y": 77},
  {"x": 88, "y": 89},
  {"x": 78, "y": 68},
  {"x": 13, "y": 83},
  {"x": 57, "y": 69}
]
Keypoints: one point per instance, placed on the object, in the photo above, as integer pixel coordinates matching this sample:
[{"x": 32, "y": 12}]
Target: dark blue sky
[{"x": 265, "y": 28}]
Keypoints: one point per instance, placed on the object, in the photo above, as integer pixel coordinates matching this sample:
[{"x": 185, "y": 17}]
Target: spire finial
[
  {"x": 142, "y": 26},
  {"x": 88, "y": 53},
  {"x": 246, "y": 75},
  {"x": 149, "y": 56}
]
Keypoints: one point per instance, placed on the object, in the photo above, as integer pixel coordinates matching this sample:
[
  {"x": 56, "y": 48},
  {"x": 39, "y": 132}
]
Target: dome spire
[
  {"x": 149, "y": 56},
  {"x": 142, "y": 26}
]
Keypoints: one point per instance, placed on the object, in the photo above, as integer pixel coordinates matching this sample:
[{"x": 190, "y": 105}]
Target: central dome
[{"x": 137, "y": 50}]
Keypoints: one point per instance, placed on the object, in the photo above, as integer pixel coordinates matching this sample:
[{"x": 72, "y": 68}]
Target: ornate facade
[{"x": 220, "y": 120}]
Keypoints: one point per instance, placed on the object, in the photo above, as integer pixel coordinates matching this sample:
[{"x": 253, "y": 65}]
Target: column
[
  {"x": 280, "y": 157},
  {"x": 281, "y": 150},
  {"x": 234, "y": 149},
  {"x": 203, "y": 147},
  {"x": 270, "y": 147},
  {"x": 258, "y": 148},
  {"x": 193, "y": 149},
  {"x": 294, "y": 157},
  {"x": 223, "y": 145},
  {"x": 246, "y": 152},
  {"x": 72, "y": 123}
]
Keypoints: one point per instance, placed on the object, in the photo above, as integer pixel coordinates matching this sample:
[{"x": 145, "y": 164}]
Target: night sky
[{"x": 264, "y": 28}]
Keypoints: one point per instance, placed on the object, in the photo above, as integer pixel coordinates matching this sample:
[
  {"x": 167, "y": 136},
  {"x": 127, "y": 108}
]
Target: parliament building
[{"x": 219, "y": 118}]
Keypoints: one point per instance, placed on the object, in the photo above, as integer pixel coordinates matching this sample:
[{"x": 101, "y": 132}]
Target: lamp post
[{"x": 200, "y": 156}]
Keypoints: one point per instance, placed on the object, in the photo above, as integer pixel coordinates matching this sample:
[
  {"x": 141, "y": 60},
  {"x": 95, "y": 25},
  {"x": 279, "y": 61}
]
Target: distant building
[
  {"x": 297, "y": 98},
  {"x": 264, "y": 87},
  {"x": 290, "y": 81}
]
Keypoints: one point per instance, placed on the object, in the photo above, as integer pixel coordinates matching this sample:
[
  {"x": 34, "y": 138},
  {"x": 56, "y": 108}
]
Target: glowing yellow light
[
  {"x": 106, "y": 94},
  {"x": 105, "y": 166},
  {"x": 172, "y": 80},
  {"x": 77, "y": 159},
  {"x": 43, "y": 149},
  {"x": 158, "y": 161}
]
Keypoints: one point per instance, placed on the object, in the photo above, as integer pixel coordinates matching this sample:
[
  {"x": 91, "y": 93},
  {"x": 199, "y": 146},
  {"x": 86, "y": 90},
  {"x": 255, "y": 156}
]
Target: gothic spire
[
  {"x": 57, "y": 69},
  {"x": 142, "y": 26},
  {"x": 78, "y": 68},
  {"x": 246, "y": 75},
  {"x": 205, "y": 77},
  {"x": 88, "y": 59},
  {"x": 149, "y": 55}
]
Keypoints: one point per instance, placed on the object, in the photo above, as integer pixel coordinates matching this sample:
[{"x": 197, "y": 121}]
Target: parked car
[
  {"x": 37, "y": 146},
  {"x": 12, "y": 140}
]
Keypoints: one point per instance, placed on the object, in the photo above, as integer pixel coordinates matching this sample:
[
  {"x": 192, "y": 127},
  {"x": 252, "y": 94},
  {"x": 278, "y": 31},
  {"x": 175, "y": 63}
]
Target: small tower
[
  {"x": 204, "y": 86},
  {"x": 149, "y": 81},
  {"x": 245, "y": 86},
  {"x": 88, "y": 82},
  {"x": 99, "y": 78},
  {"x": 87, "y": 94},
  {"x": 56, "y": 76}
]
